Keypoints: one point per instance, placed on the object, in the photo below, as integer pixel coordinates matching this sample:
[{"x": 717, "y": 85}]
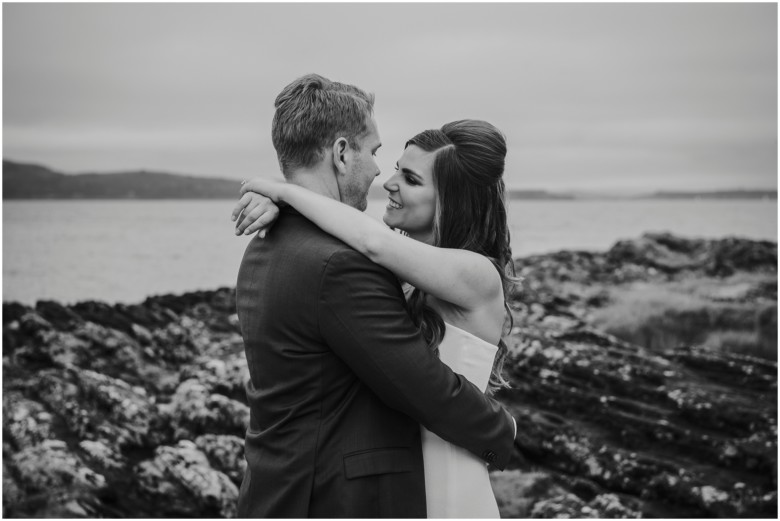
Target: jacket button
[{"x": 489, "y": 456}]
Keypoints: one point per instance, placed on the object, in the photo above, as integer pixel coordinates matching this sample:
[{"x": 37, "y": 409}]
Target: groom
[{"x": 340, "y": 378}]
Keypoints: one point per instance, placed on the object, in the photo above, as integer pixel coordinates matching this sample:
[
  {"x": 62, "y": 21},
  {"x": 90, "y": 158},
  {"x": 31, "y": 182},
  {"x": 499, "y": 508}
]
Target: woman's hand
[
  {"x": 256, "y": 210},
  {"x": 255, "y": 213},
  {"x": 271, "y": 188}
]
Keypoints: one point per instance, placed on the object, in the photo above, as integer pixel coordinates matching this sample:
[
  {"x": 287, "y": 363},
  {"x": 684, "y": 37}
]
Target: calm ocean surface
[{"x": 124, "y": 251}]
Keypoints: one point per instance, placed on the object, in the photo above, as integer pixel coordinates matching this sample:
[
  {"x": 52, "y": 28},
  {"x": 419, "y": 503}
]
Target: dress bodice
[
  {"x": 457, "y": 484},
  {"x": 468, "y": 355}
]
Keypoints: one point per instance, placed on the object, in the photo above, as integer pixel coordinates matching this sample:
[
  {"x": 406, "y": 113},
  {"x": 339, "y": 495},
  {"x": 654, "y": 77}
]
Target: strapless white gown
[{"x": 457, "y": 484}]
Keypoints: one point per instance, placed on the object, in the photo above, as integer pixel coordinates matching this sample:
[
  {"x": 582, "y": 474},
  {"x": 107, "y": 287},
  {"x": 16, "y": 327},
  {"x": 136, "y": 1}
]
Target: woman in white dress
[{"x": 447, "y": 197}]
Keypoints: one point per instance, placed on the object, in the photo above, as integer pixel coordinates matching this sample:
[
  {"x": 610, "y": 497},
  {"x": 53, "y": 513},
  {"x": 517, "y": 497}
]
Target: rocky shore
[{"x": 114, "y": 410}]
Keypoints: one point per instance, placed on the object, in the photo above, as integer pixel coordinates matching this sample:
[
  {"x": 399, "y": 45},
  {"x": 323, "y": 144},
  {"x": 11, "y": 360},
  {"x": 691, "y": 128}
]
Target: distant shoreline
[
  {"x": 25, "y": 181},
  {"x": 771, "y": 196}
]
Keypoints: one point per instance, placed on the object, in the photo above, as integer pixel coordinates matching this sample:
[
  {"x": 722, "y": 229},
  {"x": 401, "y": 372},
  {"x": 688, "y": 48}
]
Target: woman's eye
[{"x": 411, "y": 180}]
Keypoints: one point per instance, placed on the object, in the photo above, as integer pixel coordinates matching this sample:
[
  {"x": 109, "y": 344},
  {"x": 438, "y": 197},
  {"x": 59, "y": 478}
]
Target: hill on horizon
[
  {"x": 34, "y": 181},
  {"x": 717, "y": 194},
  {"x": 31, "y": 181}
]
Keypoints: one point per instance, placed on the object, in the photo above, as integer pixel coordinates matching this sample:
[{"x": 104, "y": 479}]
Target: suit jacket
[{"x": 340, "y": 381}]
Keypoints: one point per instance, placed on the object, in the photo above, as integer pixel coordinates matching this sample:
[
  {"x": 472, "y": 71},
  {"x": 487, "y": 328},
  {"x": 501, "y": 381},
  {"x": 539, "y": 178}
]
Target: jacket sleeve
[{"x": 362, "y": 317}]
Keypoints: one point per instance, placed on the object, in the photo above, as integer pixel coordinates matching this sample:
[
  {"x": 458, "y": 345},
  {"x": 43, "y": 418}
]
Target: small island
[
  {"x": 29, "y": 181},
  {"x": 718, "y": 194}
]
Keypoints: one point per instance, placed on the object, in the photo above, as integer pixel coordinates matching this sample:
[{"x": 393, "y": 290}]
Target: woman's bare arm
[{"x": 460, "y": 277}]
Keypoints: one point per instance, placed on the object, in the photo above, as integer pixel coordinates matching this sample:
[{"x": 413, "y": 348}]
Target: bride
[{"x": 447, "y": 197}]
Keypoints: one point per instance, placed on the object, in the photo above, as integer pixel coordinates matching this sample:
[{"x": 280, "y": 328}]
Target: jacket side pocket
[{"x": 379, "y": 461}]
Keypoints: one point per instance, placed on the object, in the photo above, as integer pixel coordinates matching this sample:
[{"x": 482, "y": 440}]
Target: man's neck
[{"x": 318, "y": 179}]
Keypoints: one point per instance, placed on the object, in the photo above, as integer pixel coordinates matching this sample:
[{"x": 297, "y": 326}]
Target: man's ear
[{"x": 341, "y": 152}]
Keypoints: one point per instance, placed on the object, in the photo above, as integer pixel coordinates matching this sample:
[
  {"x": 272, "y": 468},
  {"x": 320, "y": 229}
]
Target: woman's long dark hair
[{"x": 470, "y": 214}]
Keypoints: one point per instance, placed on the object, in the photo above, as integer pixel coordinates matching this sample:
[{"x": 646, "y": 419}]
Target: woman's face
[{"x": 412, "y": 203}]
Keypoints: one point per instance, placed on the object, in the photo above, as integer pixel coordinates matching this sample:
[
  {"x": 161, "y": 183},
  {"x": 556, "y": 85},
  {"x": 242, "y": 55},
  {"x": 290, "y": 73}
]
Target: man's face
[{"x": 361, "y": 169}]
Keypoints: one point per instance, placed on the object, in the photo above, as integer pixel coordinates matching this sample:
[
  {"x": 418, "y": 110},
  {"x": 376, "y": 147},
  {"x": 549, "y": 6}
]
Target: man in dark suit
[{"x": 340, "y": 378}]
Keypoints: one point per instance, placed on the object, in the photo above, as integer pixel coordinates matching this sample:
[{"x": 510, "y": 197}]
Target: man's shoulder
[{"x": 310, "y": 242}]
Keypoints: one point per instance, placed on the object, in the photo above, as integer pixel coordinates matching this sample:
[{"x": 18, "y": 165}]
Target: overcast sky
[{"x": 623, "y": 97}]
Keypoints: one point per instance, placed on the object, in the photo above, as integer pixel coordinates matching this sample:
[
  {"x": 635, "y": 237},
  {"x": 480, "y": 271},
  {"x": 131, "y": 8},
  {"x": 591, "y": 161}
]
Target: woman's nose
[{"x": 391, "y": 185}]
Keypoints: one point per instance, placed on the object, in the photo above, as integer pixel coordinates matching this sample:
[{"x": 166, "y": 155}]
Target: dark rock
[
  {"x": 111, "y": 351},
  {"x": 148, "y": 317},
  {"x": 606, "y": 506},
  {"x": 85, "y": 344},
  {"x": 13, "y": 311},
  {"x": 766, "y": 326},
  {"x": 225, "y": 453},
  {"x": 97, "y": 407},
  {"x": 669, "y": 431},
  {"x": 226, "y": 375},
  {"x": 180, "y": 304},
  {"x": 104, "y": 315},
  {"x": 102, "y": 456},
  {"x": 195, "y": 411},
  {"x": 718, "y": 258},
  {"x": 57, "y": 314},
  {"x": 745, "y": 255},
  {"x": 511, "y": 490},
  {"x": 564, "y": 506},
  {"x": 179, "y": 342},
  {"x": 611, "y": 506},
  {"x": 32, "y": 325},
  {"x": 182, "y": 482},
  {"x": 29, "y": 337},
  {"x": 12, "y": 494},
  {"x": 51, "y": 468},
  {"x": 25, "y": 422},
  {"x": 224, "y": 301}
]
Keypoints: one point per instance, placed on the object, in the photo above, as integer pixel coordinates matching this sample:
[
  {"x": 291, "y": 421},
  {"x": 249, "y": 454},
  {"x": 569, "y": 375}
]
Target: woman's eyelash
[{"x": 409, "y": 179}]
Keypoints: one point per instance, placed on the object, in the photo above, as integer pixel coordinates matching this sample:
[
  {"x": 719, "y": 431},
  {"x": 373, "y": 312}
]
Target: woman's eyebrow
[{"x": 409, "y": 171}]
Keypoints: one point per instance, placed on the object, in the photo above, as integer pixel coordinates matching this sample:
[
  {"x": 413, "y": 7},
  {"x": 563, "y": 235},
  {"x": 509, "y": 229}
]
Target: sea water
[{"x": 124, "y": 251}]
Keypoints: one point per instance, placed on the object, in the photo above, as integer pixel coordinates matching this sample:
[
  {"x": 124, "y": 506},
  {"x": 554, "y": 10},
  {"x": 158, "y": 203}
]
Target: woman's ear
[{"x": 341, "y": 152}]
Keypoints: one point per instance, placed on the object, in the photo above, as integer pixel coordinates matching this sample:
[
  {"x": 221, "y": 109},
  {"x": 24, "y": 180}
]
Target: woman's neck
[{"x": 426, "y": 237}]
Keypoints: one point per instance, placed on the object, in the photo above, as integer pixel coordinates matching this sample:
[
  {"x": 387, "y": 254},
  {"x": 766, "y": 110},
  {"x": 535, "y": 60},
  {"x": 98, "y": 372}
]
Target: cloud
[{"x": 596, "y": 91}]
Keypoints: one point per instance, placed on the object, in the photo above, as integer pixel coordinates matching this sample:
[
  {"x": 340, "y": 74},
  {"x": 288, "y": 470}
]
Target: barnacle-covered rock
[
  {"x": 225, "y": 453},
  {"x": 183, "y": 483},
  {"x": 98, "y": 407},
  {"x": 195, "y": 411},
  {"x": 150, "y": 397},
  {"x": 51, "y": 466},
  {"x": 25, "y": 422}
]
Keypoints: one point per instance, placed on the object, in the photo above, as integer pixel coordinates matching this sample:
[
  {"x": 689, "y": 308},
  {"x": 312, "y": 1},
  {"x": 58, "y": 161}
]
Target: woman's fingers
[
  {"x": 257, "y": 213},
  {"x": 266, "y": 215},
  {"x": 239, "y": 207},
  {"x": 254, "y": 201},
  {"x": 245, "y": 206}
]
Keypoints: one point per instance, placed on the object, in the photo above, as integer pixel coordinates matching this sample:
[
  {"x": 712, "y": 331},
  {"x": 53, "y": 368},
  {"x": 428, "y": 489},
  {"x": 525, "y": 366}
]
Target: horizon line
[{"x": 622, "y": 192}]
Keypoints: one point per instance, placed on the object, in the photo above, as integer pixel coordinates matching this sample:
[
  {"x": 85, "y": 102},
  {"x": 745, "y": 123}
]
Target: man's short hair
[{"x": 311, "y": 112}]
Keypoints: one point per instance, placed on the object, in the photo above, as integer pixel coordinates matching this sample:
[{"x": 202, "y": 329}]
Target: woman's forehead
[{"x": 419, "y": 160}]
